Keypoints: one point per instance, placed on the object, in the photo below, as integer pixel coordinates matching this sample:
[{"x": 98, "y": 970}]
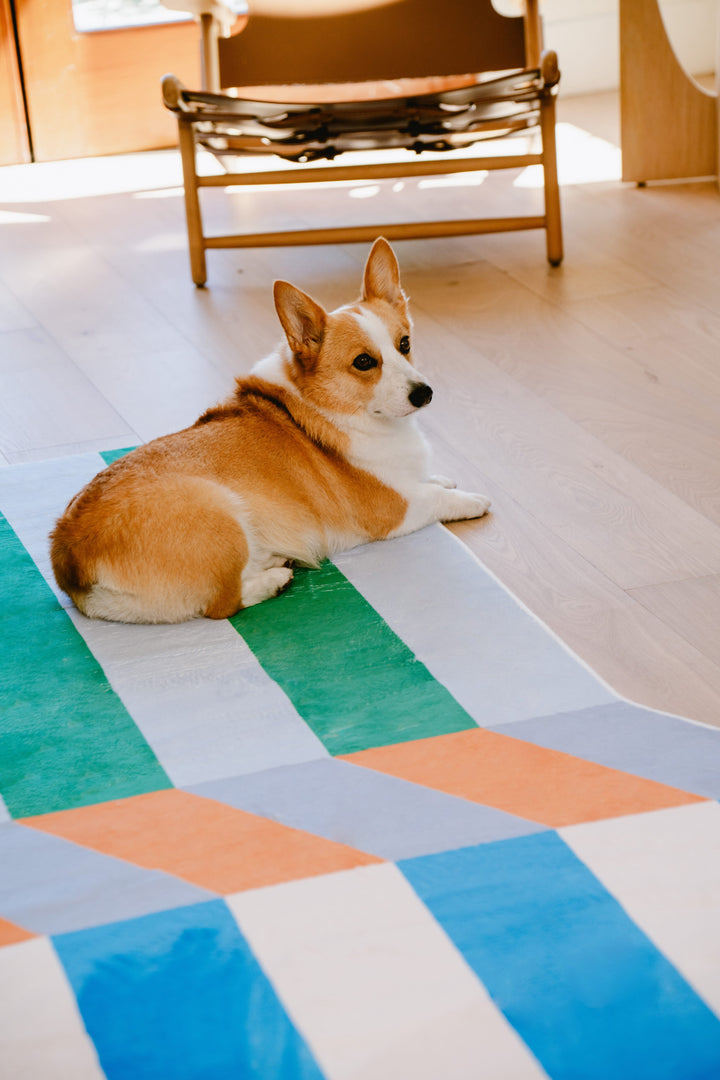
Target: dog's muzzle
[{"x": 421, "y": 394}]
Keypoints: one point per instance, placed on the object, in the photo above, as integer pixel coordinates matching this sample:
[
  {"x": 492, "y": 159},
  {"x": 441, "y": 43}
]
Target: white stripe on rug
[
  {"x": 41, "y": 1033},
  {"x": 450, "y": 609},
  {"x": 374, "y": 984},
  {"x": 664, "y": 868}
]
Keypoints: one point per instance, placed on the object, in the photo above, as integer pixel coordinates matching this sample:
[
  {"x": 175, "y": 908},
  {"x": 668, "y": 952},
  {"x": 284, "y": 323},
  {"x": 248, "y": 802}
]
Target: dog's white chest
[{"x": 396, "y": 453}]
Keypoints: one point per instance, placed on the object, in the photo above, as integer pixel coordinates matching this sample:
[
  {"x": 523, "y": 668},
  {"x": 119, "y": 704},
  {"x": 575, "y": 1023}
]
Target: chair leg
[
  {"x": 553, "y": 220},
  {"x": 210, "y": 72},
  {"x": 192, "y": 203}
]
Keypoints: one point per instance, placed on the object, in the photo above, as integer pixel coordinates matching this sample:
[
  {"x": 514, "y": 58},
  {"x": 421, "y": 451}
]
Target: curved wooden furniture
[{"x": 669, "y": 123}]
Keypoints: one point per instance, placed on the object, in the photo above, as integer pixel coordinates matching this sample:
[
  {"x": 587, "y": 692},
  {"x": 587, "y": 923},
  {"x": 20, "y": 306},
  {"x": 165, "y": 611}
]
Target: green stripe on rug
[
  {"x": 109, "y": 456},
  {"x": 351, "y": 678},
  {"x": 67, "y": 738}
]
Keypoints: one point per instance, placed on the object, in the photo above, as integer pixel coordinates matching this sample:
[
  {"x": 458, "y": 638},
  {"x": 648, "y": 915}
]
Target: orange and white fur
[{"x": 316, "y": 452}]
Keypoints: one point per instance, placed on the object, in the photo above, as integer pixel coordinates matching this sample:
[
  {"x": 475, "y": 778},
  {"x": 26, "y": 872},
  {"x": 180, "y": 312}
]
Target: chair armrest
[
  {"x": 549, "y": 70},
  {"x": 172, "y": 94}
]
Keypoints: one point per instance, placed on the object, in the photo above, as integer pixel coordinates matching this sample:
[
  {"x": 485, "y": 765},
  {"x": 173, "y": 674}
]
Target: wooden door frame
[
  {"x": 14, "y": 139},
  {"x": 98, "y": 93}
]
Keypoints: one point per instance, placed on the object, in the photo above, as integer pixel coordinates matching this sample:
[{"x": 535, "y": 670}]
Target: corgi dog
[{"x": 317, "y": 451}]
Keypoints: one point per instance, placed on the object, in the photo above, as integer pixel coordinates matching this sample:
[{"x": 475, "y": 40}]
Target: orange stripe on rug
[
  {"x": 200, "y": 840},
  {"x": 547, "y": 786},
  {"x": 12, "y": 934}
]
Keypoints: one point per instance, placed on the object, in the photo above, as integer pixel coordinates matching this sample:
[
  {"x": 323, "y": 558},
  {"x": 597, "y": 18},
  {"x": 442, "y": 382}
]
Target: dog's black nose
[{"x": 420, "y": 395}]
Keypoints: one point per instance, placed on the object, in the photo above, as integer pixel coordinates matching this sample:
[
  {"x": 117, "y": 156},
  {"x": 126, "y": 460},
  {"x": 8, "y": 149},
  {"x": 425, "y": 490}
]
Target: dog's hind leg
[{"x": 265, "y": 585}]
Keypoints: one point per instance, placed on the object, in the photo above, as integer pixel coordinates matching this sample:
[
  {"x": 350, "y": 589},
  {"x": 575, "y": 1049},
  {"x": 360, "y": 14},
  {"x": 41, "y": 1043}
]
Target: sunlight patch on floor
[
  {"x": 582, "y": 159},
  {"x": 9, "y": 217},
  {"x": 161, "y": 193},
  {"x": 55, "y": 181}
]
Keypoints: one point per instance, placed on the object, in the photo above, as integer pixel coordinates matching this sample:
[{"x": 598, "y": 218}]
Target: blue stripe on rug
[
  {"x": 582, "y": 985},
  {"x": 179, "y": 995}
]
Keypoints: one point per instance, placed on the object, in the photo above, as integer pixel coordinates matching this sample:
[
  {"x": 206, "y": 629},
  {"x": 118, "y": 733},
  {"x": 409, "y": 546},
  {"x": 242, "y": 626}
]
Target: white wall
[{"x": 584, "y": 33}]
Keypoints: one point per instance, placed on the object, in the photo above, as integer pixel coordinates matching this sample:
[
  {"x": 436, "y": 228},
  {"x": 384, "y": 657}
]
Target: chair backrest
[{"x": 340, "y": 41}]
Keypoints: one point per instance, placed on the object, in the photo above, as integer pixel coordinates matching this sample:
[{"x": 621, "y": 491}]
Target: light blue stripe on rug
[
  {"x": 368, "y": 810},
  {"x": 582, "y": 985},
  {"x": 640, "y": 741},
  {"x": 201, "y": 698},
  {"x": 51, "y": 886},
  {"x": 32, "y": 498},
  {"x": 180, "y": 996},
  {"x": 499, "y": 662}
]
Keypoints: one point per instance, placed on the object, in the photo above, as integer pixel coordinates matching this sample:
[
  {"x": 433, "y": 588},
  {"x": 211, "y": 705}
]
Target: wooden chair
[{"x": 416, "y": 77}]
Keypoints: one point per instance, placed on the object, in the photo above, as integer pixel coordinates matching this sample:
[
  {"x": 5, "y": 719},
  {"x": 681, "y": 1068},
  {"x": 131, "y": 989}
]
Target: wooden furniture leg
[
  {"x": 553, "y": 218},
  {"x": 192, "y": 203},
  {"x": 209, "y": 63}
]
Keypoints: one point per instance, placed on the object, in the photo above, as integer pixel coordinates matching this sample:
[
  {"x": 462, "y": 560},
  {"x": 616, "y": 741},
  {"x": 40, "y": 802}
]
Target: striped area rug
[{"x": 383, "y": 827}]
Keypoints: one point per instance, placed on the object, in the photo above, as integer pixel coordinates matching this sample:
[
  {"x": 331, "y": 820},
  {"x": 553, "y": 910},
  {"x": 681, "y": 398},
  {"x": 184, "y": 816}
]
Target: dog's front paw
[{"x": 462, "y": 505}]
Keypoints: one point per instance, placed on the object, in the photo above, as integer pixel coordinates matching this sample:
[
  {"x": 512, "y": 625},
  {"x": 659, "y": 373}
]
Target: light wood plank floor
[{"x": 585, "y": 400}]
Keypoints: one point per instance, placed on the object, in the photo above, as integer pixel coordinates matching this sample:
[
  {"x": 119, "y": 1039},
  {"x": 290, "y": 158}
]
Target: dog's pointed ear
[
  {"x": 381, "y": 280},
  {"x": 303, "y": 321}
]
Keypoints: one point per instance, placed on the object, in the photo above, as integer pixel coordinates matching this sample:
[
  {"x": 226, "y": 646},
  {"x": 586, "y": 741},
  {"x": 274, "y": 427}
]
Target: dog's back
[{"x": 167, "y": 532}]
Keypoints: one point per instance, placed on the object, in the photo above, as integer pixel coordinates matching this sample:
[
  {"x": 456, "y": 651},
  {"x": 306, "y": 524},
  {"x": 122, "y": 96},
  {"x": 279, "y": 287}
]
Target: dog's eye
[
  {"x": 404, "y": 345},
  {"x": 364, "y": 362}
]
